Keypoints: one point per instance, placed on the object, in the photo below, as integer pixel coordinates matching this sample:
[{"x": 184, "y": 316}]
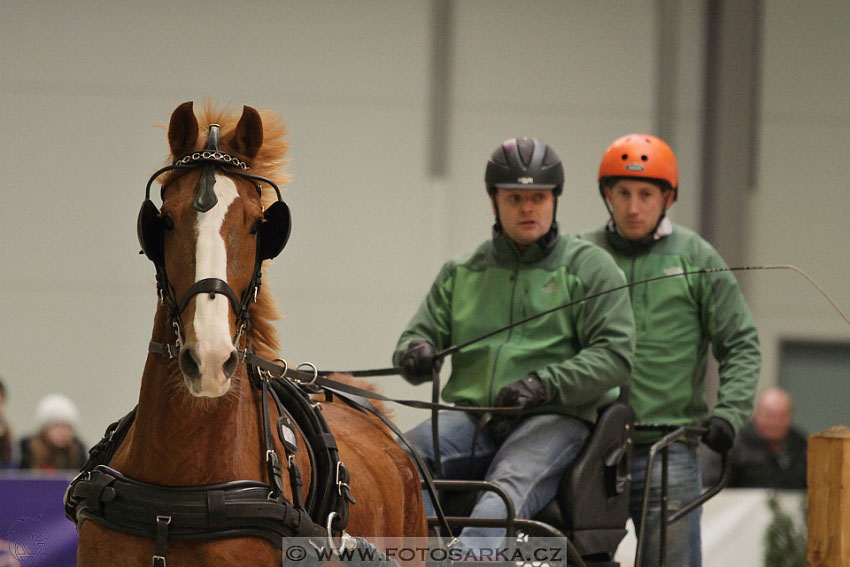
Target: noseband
[{"x": 271, "y": 238}]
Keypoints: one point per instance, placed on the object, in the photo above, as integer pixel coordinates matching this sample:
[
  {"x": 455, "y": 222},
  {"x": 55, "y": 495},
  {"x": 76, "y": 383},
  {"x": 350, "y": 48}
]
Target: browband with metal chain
[{"x": 212, "y": 155}]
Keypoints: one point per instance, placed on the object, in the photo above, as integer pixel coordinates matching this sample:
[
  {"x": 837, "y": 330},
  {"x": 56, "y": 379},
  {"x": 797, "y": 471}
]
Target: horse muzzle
[{"x": 207, "y": 372}]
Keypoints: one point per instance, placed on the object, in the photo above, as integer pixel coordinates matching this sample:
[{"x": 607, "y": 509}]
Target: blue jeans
[
  {"x": 684, "y": 546},
  {"x": 527, "y": 463}
]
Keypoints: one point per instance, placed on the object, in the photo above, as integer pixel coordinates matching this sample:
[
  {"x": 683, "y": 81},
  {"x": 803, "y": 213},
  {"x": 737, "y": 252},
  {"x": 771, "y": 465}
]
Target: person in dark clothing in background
[{"x": 769, "y": 451}]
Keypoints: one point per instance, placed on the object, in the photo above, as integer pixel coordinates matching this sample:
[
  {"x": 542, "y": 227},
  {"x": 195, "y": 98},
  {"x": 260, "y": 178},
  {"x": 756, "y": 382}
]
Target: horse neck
[{"x": 178, "y": 439}]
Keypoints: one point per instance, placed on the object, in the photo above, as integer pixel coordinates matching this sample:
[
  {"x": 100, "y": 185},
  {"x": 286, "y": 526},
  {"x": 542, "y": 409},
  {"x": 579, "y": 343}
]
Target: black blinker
[
  {"x": 274, "y": 231},
  {"x": 149, "y": 228}
]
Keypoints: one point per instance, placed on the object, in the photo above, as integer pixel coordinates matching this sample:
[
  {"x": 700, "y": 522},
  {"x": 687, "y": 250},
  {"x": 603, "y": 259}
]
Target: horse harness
[{"x": 237, "y": 508}]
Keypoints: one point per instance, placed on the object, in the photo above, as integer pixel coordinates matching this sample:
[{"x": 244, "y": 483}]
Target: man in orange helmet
[{"x": 676, "y": 321}]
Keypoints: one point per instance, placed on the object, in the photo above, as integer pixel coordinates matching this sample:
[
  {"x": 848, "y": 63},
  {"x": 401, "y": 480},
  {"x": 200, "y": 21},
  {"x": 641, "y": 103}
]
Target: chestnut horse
[{"x": 199, "y": 419}]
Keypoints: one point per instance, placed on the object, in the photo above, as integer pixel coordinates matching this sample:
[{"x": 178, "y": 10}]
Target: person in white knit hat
[{"x": 56, "y": 445}]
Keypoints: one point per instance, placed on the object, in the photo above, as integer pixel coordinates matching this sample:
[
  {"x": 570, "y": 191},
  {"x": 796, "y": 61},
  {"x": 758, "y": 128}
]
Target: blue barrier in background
[{"x": 33, "y": 529}]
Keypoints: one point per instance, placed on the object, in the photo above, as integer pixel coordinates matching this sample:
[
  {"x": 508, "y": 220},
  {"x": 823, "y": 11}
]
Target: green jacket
[
  {"x": 676, "y": 319},
  {"x": 581, "y": 353}
]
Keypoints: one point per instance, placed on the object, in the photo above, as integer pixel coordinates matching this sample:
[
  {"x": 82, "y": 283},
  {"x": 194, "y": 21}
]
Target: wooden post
[{"x": 829, "y": 498}]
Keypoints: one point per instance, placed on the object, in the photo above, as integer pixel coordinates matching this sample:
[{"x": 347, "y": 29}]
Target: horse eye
[{"x": 167, "y": 222}]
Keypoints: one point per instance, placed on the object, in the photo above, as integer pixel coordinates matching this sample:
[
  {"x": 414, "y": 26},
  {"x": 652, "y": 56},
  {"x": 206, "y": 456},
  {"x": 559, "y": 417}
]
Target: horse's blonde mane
[{"x": 269, "y": 162}]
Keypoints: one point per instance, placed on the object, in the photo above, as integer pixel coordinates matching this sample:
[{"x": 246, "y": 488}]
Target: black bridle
[{"x": 272, "y": 236}]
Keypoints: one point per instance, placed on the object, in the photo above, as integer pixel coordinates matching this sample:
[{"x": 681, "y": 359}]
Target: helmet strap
[{"x": 498, "y": 224}]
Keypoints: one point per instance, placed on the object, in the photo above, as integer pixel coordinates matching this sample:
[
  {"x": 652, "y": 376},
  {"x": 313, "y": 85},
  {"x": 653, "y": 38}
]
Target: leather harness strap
[
  {"x": 326, "y": 497},
  {"x": 211, "y": 286}
]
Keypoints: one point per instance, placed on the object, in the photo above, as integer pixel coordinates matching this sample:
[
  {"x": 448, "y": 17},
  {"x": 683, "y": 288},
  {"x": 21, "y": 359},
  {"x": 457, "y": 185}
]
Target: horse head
[{"x": 209, "y": 240}]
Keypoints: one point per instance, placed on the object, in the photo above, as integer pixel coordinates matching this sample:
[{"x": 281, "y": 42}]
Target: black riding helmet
[{"x": 524, "y": 163}]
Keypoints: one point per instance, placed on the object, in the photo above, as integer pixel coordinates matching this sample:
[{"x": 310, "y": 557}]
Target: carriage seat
[{"x": 592, "y": 505}]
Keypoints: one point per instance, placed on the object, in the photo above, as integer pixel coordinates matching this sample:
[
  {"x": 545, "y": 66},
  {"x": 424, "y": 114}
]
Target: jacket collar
[
  {"x": 506, "y": 248},
  {"x": 623, "y": 244}
]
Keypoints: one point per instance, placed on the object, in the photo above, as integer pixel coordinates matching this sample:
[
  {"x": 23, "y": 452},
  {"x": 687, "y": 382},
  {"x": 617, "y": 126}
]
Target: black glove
[
  {"x": 418, "y": 363},
  {"x": 528, "y": 392},
  {"x": 720, "y": 436}
]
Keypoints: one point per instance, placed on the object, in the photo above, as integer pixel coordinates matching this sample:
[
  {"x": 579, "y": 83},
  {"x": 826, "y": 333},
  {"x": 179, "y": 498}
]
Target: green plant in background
[{"x": 785, "y": 539}]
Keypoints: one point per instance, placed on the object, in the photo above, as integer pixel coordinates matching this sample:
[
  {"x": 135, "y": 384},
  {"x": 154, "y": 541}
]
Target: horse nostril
[
  {"x": 188, "y": 364},
  {"x": 229, "y": 366}
]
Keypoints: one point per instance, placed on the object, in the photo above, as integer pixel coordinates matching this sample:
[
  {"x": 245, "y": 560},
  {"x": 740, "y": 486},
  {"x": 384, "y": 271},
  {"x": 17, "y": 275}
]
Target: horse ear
[
  {"x": 182, "y": 130},
  {"x": 249, "y": 132}
]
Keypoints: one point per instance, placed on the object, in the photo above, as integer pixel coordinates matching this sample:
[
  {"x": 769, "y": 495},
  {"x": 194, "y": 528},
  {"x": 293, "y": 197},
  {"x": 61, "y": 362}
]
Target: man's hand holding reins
[
  {"x": 528, "y": 393},
  {"x": 418, "y": 363}
]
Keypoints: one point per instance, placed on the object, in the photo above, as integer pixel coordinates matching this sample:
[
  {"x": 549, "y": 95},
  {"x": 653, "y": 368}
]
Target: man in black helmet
[{"x": 560, "y": 368}]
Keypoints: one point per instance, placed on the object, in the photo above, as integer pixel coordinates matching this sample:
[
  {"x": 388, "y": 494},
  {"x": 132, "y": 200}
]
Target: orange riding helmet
[{"x": 642, "y": 156}]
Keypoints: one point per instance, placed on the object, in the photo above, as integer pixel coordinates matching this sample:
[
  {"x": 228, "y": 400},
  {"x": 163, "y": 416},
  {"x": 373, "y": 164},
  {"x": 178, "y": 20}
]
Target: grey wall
[
  {"x": 802, "y": 194},
  {"x": 85, "y": 85}
]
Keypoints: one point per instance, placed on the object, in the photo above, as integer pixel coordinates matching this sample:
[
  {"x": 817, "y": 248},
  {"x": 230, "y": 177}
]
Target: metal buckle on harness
[
  {"x": 315, "y": 372},
  {"x": 345, "y": 540},
  {"x": 340, "y": 469},
  {"x": 176, "y": 326},
  {"x": 239, "y": 334}
]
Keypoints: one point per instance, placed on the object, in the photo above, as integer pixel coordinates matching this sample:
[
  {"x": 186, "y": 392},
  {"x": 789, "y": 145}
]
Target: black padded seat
[{"x": 592, "y": 505}]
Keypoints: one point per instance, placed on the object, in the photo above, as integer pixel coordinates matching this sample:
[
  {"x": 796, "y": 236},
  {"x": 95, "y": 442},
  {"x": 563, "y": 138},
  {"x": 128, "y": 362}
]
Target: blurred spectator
[
  {"x": 769, "y": 451},
  {"x": 55, "y": 446},
  {"x": 6, "y": 444}
]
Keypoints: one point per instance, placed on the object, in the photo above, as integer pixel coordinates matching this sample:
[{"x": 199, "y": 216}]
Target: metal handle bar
[
  {"x": 510, "y": 522},
  {"x": 675, "y": 433}
]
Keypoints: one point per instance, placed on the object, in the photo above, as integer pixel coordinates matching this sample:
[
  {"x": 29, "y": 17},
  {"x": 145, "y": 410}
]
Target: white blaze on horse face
[{"x": 211, "y": 323}]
